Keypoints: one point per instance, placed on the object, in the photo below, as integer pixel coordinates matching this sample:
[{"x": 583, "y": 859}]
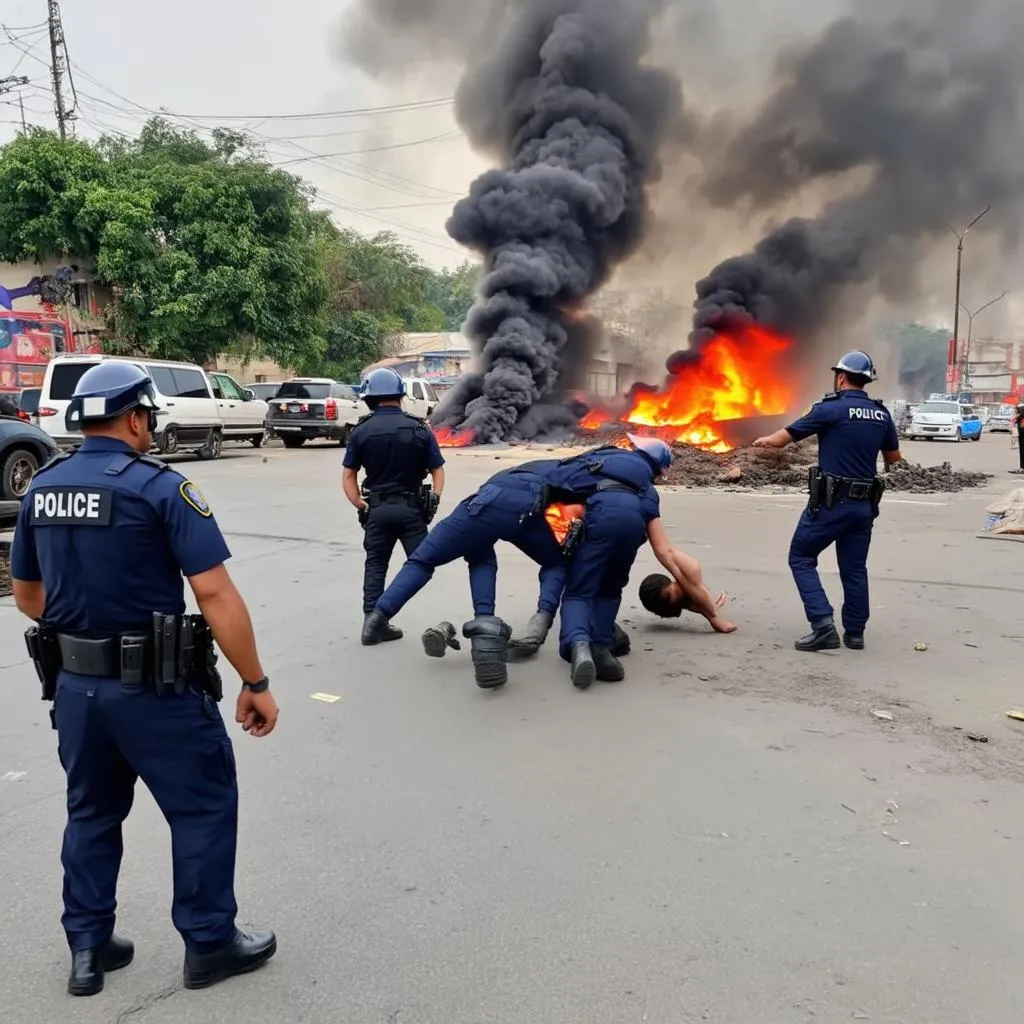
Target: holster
[
  {"x": 429, "y": 502},
  {"x": 877, "y": 490},
  {"x": 44, "y": 651},
  {"x": 815, "y": 483},
  {"x": 573, "y": 537}
]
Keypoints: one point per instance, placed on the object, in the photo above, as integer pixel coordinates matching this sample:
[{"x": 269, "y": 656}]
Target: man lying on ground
[{"x": 685, "y": 591}]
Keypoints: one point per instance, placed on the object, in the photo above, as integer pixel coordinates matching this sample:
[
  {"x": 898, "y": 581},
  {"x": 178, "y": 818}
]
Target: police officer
[
  {"x": 845, "y": 492},
  {"x": 509, "y": 507},
  {"x": 397, "y": 451},
  {"x": 621, "y": 505},
  {"x": 104, "y": 536}
]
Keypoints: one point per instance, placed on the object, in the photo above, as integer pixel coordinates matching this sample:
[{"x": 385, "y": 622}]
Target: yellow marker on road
[{"x": 327, "y": 698}]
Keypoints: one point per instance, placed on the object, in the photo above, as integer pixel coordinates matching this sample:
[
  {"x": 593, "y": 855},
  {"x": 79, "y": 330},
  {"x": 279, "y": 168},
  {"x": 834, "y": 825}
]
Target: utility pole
[
  {"x": 58, "y": 67},
  {"x": 960, "y": 235}
]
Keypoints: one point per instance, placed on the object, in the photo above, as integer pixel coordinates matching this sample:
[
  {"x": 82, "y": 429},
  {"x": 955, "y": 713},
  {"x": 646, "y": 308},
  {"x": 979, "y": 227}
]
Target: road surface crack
[{"x": 147, "y": 1001}]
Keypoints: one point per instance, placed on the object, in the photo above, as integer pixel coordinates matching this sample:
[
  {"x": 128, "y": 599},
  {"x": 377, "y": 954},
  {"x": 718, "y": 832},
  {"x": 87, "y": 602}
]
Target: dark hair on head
[
  {"x": 654, "y": 599},
  {"x": 858, "y": 380}
]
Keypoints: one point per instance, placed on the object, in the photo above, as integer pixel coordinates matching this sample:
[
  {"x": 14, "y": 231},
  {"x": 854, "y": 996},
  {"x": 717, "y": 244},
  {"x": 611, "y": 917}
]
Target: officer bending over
[
  {"x": 397, "y": 451},
  {"x": 621, "y": 504},
  {"x": 509, "y": 506},
  {"x": 103, "y": 538},
  {"x": 845, "y": 493}
]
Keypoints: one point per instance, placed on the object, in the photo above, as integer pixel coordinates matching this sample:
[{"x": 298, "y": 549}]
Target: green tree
[
  {"x": 453, "y": 292},
  {"x": 205, "y": 248}
]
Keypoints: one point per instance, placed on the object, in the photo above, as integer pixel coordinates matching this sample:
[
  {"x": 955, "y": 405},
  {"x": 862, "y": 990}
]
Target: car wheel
[
  {"x": 977, "y": 437},
  {"x": 959, "y": 435},
  {"x": 256, "y": 440},
  {"x": 168, "y": 443},
  {"x": 213, "y": 448},
  {"x": 18, "y": 469},
  {"x": 293, "y": 442}
]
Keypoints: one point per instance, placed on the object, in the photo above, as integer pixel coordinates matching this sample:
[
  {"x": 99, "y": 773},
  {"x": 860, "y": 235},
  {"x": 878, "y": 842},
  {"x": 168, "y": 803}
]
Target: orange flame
[
  {"x": 737, "y": 376},
  {"x": 449, "y": 438},
  {"x": 560, "y": 517}
]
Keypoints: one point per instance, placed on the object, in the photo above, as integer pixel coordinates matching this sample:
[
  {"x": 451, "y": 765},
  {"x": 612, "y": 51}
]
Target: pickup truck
[
  {"x": 420, "y": 398},
  {"x": 306, "y": 408}
]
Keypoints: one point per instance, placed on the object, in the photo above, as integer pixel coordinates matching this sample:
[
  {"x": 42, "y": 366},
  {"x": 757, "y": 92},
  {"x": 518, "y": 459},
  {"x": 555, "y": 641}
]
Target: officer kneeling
[
  {"x": 103, "y": 538},
  {"x": 844, "y": 496}
]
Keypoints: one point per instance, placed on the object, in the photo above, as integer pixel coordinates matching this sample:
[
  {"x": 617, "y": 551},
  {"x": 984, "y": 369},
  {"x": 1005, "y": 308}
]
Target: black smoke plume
[
  {"x": 926, "y": 105},
  {"x": 576, "y": 121}
]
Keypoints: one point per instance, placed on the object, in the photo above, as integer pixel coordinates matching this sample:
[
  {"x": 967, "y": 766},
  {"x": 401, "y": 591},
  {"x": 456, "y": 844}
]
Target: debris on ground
[
  {"x": 883, "y": 716},
  {"x": 1005, "y": 517},
  {"x": 5, "y": 574},
  {"x": 920, "y": 647},
  {"x": 781, "y": 467},
  {"x": 1017, "y": 716}
]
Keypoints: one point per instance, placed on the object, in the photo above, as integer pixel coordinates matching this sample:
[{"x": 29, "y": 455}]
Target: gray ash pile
[
  {"x": 918, "y": 479},
  {"x": 782, "y": 468}
]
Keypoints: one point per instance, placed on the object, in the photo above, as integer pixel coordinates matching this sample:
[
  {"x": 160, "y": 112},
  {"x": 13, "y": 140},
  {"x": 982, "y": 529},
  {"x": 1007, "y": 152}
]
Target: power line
[{"x": 373, "y": 149}]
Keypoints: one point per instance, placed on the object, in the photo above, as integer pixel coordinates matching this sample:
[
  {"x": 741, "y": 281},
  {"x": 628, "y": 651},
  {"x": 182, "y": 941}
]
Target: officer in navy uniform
[
  {"x": 397, "y": 451},
  {"x": 103, "y": 539},
  {"x": 845, "y": 491},
  {"x": 510, "y": 507},
  {"x": 621, "y": 505}
]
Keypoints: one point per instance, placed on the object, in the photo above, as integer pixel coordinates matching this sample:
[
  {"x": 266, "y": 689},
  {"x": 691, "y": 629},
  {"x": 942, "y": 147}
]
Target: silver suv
[{"x": 306, "y": 408}]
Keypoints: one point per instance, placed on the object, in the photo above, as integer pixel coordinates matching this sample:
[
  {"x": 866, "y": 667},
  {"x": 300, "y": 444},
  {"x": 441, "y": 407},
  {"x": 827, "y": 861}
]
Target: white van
[{"x": 189, "y": 418}]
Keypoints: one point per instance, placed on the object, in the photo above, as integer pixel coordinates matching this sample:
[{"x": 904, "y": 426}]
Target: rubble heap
[{"x": 782, "y": 467}]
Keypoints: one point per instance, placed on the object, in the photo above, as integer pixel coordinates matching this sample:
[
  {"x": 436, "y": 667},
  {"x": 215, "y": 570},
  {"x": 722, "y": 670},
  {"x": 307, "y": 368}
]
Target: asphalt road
[{"x": 730, "y": 835}]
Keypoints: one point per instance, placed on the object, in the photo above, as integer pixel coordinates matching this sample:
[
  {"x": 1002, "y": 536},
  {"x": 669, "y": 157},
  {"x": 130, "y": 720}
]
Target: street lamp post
[
  {"x": 970, "y": 333},
  {"x": 959, "y": 263}
]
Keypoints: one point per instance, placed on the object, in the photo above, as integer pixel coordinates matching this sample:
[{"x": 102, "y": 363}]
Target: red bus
[{"x": 27, "y": 341}]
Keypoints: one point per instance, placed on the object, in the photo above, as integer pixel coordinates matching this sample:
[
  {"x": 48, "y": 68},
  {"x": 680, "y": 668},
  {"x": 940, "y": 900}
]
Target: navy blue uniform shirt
[
  {"x": 396, "y": 450},
  {"x": 852, "y": 429},
  {"x": 111, "y": 536}
]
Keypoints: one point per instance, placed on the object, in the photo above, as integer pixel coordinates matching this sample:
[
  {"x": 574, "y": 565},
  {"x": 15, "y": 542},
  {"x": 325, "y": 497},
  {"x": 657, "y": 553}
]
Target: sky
[{"x": 390, "y": 158}]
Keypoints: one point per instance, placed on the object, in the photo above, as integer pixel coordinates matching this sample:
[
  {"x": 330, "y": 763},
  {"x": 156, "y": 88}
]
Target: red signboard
[{"x": 27, "y": 342}]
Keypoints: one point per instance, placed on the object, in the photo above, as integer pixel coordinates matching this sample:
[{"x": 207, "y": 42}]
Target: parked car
[
  {"x": 24, "y": 447},
  {"x": 244, "y": 415},
  {"x": 189, "y": 418},
  {"x": 20, "y": 402},
  {"x": 265, "y": 390},
  {"x": 951, "y": 421},
  {"x": 1001, "y": 421},
  {"x": 306, "y": 408},
  {"x": 420, "y": 398}
]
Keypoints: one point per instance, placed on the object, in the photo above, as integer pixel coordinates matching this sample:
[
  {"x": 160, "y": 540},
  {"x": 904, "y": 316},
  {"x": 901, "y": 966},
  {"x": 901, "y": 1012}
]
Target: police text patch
[
  {"x": 194, "y": 497},
  {"x": 859, "y": 412},
  {"x": 70, "y": 505}
]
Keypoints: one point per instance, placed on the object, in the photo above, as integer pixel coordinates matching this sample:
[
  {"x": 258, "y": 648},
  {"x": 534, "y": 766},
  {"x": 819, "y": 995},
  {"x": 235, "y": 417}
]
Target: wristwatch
[{"x": 260, "y": 686}]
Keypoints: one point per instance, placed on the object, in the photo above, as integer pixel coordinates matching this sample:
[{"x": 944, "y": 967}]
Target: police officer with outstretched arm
[
  {"x": 104, "y": 537},
  {"x": 397, "y": 451},
  {"x": 844, "y": 496}
]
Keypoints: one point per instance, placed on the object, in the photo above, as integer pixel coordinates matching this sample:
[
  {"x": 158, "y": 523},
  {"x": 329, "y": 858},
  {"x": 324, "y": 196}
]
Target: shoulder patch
[
  {"x": 194, "y": 498},
  {"x": 56, "y": 460},
  {"x": 810, "y": 406}
]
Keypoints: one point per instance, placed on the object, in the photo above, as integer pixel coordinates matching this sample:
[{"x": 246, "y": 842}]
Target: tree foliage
[{"x": 206, "y": 248}]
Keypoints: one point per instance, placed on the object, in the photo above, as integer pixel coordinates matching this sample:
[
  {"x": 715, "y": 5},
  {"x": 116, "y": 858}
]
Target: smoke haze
[{"x": 832, "y": 150}]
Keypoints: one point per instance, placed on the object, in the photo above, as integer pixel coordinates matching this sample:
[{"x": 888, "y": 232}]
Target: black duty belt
[
  {"x": 854, "y": 490},
  {"x": 107, "y": 656},
  {"x": 382, "y": 497},
  {"x": 616, "y": 485}
]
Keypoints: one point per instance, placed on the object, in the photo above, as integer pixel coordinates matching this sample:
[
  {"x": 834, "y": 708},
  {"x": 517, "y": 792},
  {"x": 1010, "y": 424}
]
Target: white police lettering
[
  {"x": 60, "y": 506},
  {"x": 860, "y": 412}
]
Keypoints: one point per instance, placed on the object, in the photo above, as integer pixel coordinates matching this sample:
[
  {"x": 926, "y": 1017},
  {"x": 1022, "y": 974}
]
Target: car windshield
[
  {"x": 945, "y": 408},
  {"x": 301, "y": 389}
]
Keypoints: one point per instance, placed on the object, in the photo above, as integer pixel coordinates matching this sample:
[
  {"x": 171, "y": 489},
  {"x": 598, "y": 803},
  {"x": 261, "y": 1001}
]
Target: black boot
[
  {"x": 621, "y": 644},
  {"x": 377, "y": 630},
  {"x": 583, "y": 670},
  {"x": 822, "y": 638},
  {"x": 855, "y": 641},
  {"x": 88, "y": 966},
  {"x": 532, "y": 640},
  {"x": 607, "y": 667},
  {"x": 488, "y": 636},
  {"x": 438, "y": 639},
  {"x": 244, "y": 953}
]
